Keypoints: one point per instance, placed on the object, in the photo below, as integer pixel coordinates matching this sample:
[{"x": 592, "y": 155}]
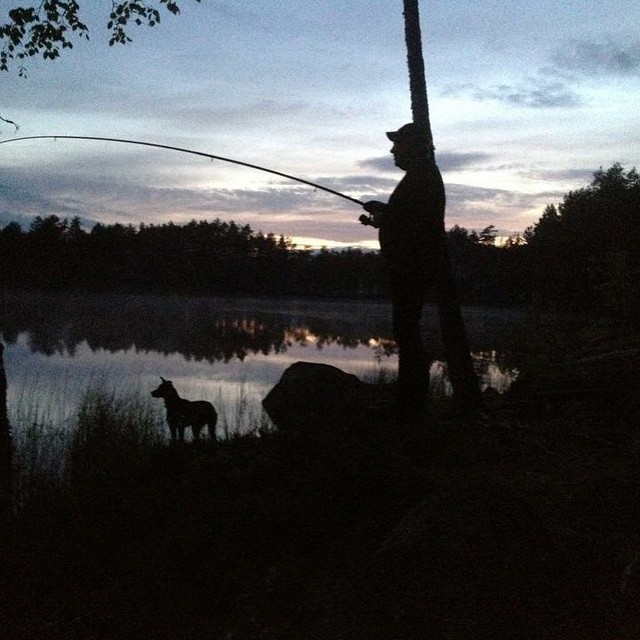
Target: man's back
[{"x": 412, "y": 231}]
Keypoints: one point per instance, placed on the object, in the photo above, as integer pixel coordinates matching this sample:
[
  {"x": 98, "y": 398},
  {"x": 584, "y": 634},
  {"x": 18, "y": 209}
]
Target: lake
[{"x": 229, "y": 351}]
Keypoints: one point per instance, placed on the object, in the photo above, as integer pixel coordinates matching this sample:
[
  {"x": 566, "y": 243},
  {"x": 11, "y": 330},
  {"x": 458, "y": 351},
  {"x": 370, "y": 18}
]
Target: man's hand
[
  {"x": 377, "y": 210},
  {"x": 375, "y": 206}
]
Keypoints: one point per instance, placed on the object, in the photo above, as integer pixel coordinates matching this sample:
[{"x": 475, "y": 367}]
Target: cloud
[
  {"x": 536, "y": 93},
  {"x": 273, "y": 206},
  {"x": 203, "y": 117},
  {"x": 555, "y": 84},
  {"x": 360, "y": 183},
  {"x": 476, "y": 207},
  {"x": 603, "y": 58},
  {"x": 20, "y": 202},
  {"x": 456, "y": 160},
  {"x": 379, "y": 163},
  {"x": 583, "y": 176}
]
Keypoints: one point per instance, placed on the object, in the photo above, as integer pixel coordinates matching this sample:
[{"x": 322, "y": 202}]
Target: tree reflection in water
[{"x": 211, "y": 329}]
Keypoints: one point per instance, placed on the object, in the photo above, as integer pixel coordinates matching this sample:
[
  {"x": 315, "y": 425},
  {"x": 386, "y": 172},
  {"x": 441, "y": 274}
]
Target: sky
[{"x": 527, "y": 100}]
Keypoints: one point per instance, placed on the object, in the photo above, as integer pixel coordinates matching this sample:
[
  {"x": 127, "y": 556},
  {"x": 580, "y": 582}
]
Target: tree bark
[
  {"x": 6, "y": 457},
  {"x": 466, "y": 390}
]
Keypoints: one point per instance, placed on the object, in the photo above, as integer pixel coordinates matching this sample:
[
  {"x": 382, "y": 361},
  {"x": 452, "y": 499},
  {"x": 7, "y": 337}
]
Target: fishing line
[{"x": 195, "y": 153}]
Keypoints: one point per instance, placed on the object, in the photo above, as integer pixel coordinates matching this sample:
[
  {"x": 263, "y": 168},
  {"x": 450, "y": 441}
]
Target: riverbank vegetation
[{"x": 581, "y": 256}]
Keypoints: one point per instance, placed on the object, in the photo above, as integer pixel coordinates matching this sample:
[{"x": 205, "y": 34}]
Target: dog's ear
[{"x": 161, "y": 378}]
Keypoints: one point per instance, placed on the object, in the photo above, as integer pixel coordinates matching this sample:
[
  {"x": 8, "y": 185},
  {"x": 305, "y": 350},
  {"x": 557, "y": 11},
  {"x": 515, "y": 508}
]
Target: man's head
[{"x": 410, "y": 148}]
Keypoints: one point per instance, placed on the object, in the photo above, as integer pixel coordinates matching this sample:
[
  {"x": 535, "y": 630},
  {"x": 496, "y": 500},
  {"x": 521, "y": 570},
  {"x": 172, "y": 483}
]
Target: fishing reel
[{"x": 371, "y": 220}]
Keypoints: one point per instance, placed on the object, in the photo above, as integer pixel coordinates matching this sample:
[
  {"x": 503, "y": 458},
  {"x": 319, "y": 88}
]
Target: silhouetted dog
[{"x": 183, "y": 413}]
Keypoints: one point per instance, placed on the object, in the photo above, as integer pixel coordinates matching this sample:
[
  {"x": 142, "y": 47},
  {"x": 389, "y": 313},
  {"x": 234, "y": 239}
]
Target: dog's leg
[{"x": 211, "y": 428}]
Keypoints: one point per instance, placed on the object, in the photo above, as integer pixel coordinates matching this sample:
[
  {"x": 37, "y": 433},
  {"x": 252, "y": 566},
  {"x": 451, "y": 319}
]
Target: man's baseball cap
[{"x": 405, "y": 132}]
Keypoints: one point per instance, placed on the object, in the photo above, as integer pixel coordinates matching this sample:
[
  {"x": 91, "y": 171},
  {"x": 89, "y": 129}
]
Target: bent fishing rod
[{"x": 195, "y": 153}]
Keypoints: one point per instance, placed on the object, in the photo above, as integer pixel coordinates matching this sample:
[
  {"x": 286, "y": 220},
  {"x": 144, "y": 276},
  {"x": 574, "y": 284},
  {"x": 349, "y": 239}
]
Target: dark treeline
[
  {"x": 198, "y": 258},
  {"x": 581, "y": 256},
  {"x": 584, "y": 254}
]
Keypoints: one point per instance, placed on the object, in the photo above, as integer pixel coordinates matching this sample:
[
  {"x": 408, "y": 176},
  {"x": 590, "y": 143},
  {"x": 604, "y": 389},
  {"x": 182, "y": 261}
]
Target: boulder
[{"x": 312, "y": 396}]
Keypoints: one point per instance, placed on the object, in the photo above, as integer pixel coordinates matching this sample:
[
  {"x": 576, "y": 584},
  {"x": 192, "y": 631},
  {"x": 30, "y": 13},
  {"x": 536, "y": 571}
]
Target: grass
[{"x": 521, "y": 521}]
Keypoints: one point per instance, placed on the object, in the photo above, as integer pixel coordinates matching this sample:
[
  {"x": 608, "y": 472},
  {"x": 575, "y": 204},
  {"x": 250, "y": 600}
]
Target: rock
[{"x": 311, "y": 396}]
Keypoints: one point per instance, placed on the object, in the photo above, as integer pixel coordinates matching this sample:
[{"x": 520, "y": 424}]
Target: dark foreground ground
[{"x": 522, "y": 521}]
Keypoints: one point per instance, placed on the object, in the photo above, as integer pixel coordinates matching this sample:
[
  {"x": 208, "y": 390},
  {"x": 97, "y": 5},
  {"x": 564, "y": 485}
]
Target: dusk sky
[{"x": 527, "y": 100}]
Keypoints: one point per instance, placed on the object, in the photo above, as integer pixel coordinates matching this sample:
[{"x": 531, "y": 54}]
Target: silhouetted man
[{"x": 411, "y": 233}]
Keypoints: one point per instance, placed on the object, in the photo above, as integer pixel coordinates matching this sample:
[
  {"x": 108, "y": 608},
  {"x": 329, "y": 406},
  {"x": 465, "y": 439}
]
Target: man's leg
[{"x": 413, "y": 365}]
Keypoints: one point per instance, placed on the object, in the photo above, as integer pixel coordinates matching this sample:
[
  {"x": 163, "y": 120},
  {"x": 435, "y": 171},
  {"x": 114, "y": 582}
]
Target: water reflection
[
  {"x": 228, "y": 351},
  {"x": 199, "y": 328}
]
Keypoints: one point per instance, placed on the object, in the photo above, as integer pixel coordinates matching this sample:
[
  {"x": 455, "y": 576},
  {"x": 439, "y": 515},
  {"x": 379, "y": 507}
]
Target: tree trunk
[
  {"x": 454, "y": 335},
  {"x": 5, "y": 442}
]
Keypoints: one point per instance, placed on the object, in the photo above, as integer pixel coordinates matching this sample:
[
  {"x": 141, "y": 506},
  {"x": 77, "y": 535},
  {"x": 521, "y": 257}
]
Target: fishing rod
[{"x": 195, "y": 153}]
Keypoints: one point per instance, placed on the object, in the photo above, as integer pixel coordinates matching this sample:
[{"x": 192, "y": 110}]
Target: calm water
[{"x": 228, "y": 351}]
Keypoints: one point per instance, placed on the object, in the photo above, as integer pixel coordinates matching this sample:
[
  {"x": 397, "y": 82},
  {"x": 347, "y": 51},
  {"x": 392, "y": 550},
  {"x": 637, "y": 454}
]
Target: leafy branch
[
  {"x": 54, "y": 25},
  {"x": 140, "y": 13}
]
